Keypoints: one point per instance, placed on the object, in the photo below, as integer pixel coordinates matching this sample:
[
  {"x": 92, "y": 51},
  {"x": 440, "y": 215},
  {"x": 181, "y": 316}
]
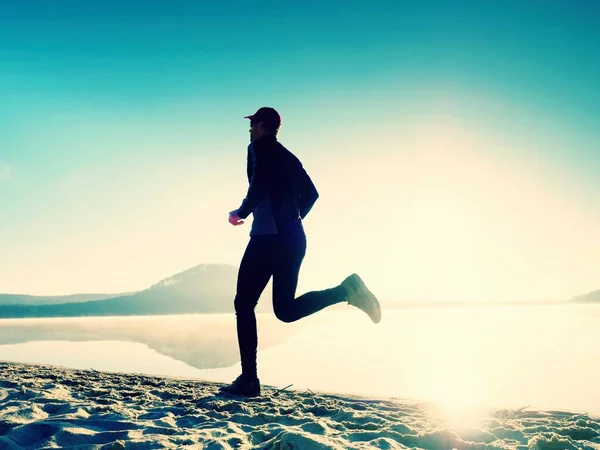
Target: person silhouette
[{"x": 279, "y": 196}]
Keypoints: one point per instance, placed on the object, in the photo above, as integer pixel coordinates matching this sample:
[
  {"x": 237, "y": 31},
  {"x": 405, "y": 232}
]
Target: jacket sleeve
[
  {"x": 259, "y": 182},
  {"x": 249, "y": 162},
  {"x": 308, "y": 194}
]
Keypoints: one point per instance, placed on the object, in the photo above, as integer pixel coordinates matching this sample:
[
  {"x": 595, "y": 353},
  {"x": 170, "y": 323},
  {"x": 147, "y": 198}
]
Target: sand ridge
[{"x": 43, "y": 407}]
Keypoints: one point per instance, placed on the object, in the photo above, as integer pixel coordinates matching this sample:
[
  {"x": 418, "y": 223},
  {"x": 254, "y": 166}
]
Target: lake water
[{"x": 510, "y": 356}]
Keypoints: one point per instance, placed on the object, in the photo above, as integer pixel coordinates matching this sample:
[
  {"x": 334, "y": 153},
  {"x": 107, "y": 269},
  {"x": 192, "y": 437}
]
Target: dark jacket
[{"x": 275, "y": 173}]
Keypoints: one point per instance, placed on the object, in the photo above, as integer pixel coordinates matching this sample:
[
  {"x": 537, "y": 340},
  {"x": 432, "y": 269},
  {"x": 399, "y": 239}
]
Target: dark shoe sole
[{"x": 239, "y": 394}]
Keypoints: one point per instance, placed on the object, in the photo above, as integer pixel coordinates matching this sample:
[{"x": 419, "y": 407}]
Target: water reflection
[
  {"x": 110, "y": 356},
  {"x": 515, "y": 357},
  {"x": 498, "y": 356}
]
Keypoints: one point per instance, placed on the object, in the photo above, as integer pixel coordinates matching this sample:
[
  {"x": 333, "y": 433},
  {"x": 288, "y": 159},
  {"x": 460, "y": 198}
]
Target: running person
[{"x": 280, "y": 195}]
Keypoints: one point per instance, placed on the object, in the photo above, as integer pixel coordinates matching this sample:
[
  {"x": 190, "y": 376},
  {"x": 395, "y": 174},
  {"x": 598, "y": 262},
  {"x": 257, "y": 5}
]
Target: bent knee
[{"x": 285, "y": 316}]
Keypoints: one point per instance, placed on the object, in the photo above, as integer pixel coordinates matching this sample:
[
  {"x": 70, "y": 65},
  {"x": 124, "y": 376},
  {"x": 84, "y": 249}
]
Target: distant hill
[
  {"x": 590, "y": 297},
  {"x": 16, "y": 299},
  {"x": 207, "y": 288}
]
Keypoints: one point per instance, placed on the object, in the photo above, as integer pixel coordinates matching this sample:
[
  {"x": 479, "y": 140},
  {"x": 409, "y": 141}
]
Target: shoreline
[{"x": 45, "y": 406}]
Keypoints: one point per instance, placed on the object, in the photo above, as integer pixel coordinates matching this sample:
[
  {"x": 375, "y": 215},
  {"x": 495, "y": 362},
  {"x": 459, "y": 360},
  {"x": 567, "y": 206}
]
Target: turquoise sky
[{"x": 122, "y": 143}]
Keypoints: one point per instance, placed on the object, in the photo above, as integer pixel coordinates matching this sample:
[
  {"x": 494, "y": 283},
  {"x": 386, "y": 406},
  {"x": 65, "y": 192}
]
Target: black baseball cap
[{"x": 266, "y": 114}]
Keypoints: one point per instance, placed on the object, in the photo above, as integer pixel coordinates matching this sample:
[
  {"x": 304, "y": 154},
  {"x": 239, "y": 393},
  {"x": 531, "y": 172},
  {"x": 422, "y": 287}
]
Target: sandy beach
[{"x": 54, "y": 407}]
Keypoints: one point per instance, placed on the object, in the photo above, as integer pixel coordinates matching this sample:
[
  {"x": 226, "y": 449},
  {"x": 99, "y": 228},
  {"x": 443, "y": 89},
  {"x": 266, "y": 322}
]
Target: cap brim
[{"x": 249, "y": 117}]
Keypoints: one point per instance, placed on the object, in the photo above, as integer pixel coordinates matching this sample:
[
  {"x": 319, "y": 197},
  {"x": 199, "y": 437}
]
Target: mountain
[
  {"x": 207, "y": 288},
  {"x": 16, "y": 299},
  {"x": 590, "y": 297}
]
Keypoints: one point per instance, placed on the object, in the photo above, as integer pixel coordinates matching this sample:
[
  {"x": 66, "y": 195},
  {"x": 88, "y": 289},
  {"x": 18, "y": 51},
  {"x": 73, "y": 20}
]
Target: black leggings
[{"x": 279, "y": 256}]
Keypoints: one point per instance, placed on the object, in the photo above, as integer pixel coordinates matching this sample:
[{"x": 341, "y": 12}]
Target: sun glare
[{"x": 455, "y": 385}]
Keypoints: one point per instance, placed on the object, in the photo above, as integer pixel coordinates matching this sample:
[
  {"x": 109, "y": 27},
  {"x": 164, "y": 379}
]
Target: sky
[{"x": 455, "y": 145}]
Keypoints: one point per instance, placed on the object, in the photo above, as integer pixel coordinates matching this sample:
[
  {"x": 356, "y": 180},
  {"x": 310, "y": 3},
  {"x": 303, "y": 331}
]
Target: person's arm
[
  {"x": 259, "y": 182},
  {"x": 308, "y": 194}
]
